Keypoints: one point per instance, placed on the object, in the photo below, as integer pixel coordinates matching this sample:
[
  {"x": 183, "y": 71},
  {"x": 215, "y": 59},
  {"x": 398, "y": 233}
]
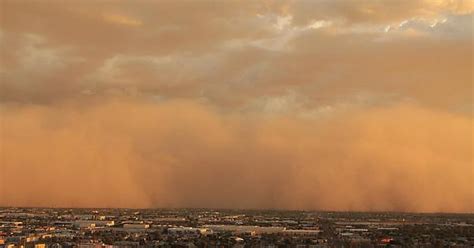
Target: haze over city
[{"x": 306, "y": 105}]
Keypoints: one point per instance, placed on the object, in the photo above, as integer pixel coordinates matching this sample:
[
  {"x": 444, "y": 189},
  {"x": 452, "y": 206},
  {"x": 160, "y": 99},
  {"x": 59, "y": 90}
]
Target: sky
[{"x": 314, "y": 105}]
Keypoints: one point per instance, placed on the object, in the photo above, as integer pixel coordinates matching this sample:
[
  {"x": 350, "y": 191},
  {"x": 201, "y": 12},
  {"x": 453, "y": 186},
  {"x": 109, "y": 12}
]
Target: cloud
[
  {"x": 289, "y": 104},
  {"x": 129, "y": 153},
  {"x": 375, "y": 12},
  {"x": 121, "y": 20}
]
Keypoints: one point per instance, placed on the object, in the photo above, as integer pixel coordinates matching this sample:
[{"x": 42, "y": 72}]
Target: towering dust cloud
[
  {"x": 185, "y": 154},
  {"x": 352, "y": 106}
]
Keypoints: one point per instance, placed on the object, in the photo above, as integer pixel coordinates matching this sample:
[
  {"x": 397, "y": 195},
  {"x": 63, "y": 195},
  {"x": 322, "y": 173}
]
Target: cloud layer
[{"x": 334, "y": 105}]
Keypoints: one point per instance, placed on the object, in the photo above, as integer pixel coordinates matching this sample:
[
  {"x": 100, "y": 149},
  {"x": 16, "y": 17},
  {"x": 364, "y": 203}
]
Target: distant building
[
  {"x": 186, "y": 230},
  {"x": 301, "y": 232},
  {"x": 238, "y": 229},
  {"x": 93, "y": 223},
  {"x": 136, "y": 226}
]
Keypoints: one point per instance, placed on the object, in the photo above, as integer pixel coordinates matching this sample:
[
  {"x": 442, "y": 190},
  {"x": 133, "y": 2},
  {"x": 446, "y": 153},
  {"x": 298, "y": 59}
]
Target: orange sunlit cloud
[{"x": 345, "y": 105}]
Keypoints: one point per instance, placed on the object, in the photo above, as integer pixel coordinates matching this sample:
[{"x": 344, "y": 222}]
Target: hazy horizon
[
  {"x": 238, "y": 210},
  {"x": 333, "y": 105}
]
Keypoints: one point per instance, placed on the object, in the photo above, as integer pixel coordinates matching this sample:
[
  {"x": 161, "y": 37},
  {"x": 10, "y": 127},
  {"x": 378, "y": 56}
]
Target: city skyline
[{"x": 303, "y": 105}]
